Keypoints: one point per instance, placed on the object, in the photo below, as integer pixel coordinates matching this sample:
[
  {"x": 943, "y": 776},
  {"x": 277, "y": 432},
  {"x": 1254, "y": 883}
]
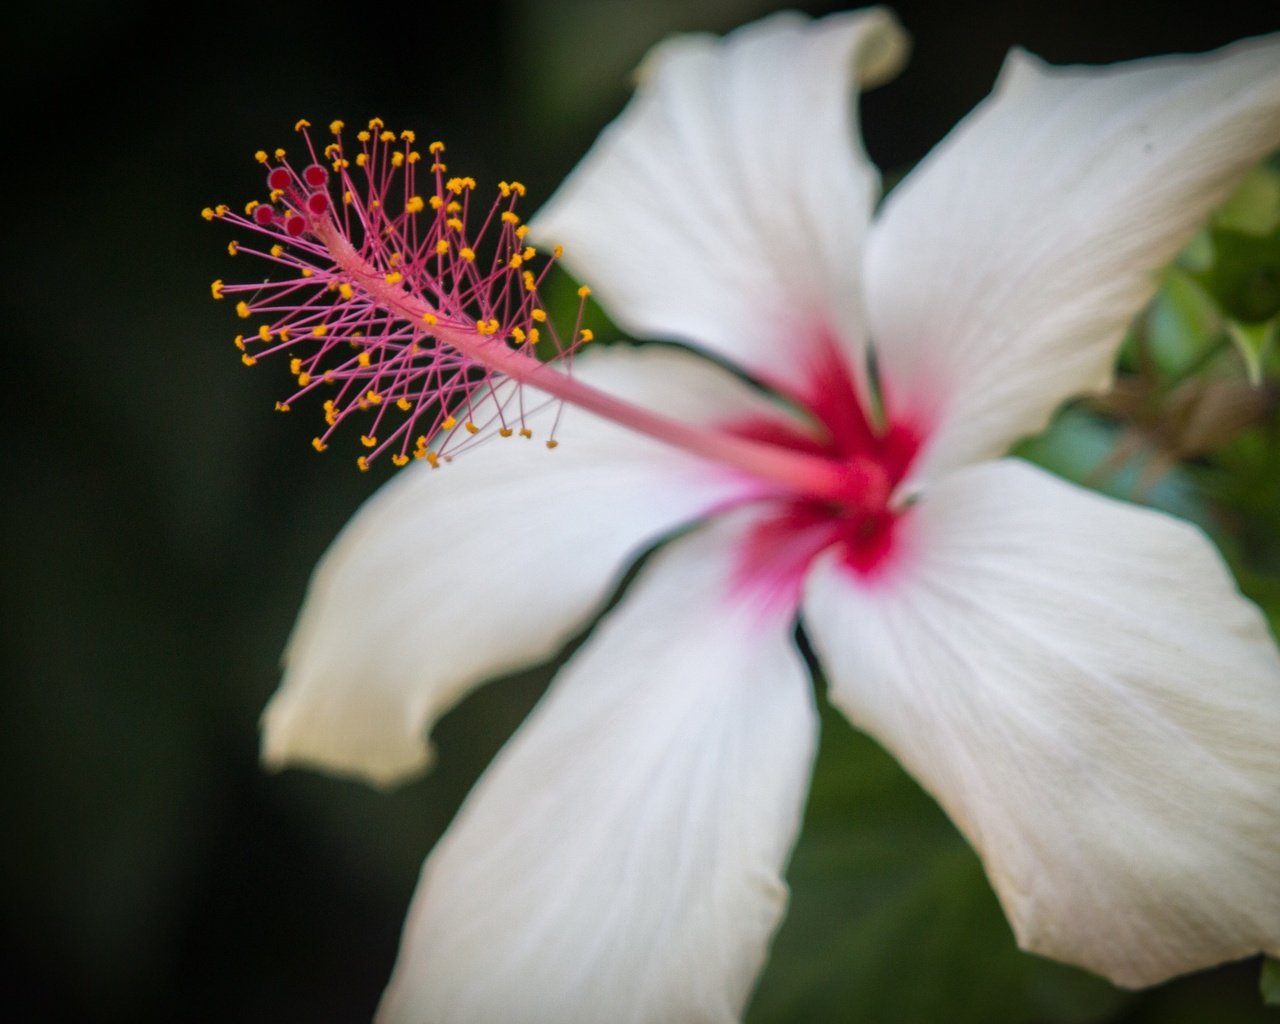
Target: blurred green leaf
[
  {"x": 1269, "y": 981},
  {"x": 1253, "y": 341},
  {"x": 1254, "y": 207},
  {"x": 1182, "y": 324},
  {"x": 1244, "y": 278}
]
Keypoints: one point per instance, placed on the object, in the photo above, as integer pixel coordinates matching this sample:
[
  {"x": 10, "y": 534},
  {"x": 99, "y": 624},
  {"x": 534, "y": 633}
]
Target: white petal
[
  {"x": 622, "y": 858},
  {"x": 1005, "y": 269},
  {"x": 727, "y": 205},
  {"x": 1081, "y": 687},
  {"x": 447, "y": 578}
]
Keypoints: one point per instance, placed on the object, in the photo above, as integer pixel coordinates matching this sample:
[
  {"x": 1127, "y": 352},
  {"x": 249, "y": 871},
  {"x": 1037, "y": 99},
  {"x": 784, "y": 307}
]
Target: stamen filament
[{"x": 796, "y": 472}]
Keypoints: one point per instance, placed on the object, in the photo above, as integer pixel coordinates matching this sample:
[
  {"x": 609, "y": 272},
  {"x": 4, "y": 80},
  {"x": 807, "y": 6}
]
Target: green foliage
[{"x": 1269, "y": 981}]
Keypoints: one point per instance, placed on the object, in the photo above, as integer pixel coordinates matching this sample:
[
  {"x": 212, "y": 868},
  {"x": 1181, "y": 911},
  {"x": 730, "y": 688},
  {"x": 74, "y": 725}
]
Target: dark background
[{"x": 161, "y": 520}]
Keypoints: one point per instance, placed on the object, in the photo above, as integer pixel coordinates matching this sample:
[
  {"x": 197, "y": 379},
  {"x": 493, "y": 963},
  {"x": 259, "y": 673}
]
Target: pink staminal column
[{"x": 393, "y": 306}]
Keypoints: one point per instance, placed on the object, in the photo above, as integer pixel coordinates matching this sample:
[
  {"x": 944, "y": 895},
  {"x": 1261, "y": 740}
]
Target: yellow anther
[
  {"x": 509, "y": 218},
  {"x": 403, "y": 404},
  {"x": 282, "y": 406},
  {"x": 534, "y": 336},
  {"x": 454, "y": 185},
  {"x": 429, "y": 319},
  {"x": 540, "y": 315},
  {"x": 415, "y": 205},
  {"x": 302, "y": 123},
  {"x": 373, "y": 397},
  {"x": 467, "y": 254},
  {"x": 264, "y": 332},
  {"x": 363, "y": 136},
  {"x": 526, "y": 432},
  {"x": 346, "y": 291},
  {"x": 341, "y": 165},
  {"x": 521, "y": 231},
  {"x": 586, "y": 334},
  {"x": 284, "y": 334},
  {"x": 517, "y": 188},
  {"x": 553, "y": 444},
  {"x": 367, "y": 441},
  {"x": 307, "y": 272},
  {"x": 505, "y": 190},
  {"x": 362, "y": 159},
  {"x": 363, "y": 463},
  {"x": 438, "y": 167},
  {"x": 530, "y": 282},
  {"x": 242, "y": 310},
  {"x": 387, "y": 137},
  {"x": 529, "y": 252},
  {"x": 453, "y": 207},
  {"x": 504, "y": 431},
  {"x": 319, "y": 331},
  {"x": 377, "y": 124},
  {"x": 395, "y": 277},
  {"x": 295, "y": 366},
  {"x": 279, "y": 154},
  {"x": 304, "y": 379},
  {"x": 247, "y": 359},
  {"x": 318, "y": 445},
  {"x": 277, "y": 250},
  {"x": 216, "y": 288},
  {"x": 239, "y": 342},
  {"x": 397, "y": 158},
  {"x": 333, "y": 149},
  {"x": 583, "y": 292},
  {"x": 436, "y": 202},
  {"x": 471, "y": 427},
  {"x": 400, "y": 460},
  {"x": 518, "y": 334},
  {"x": 435, "y": 147},
  {"x": 336, "y": 126},
  {"x": 516, "y": 262},
  {"x": 558, "y": 251},
  {"x": 261, "y": 156},
  {"x": 432, "y": 458},
  {"x": 454, "y": 223},
  {"x": 233, "y": 247},
  {"x": 442, "y": 246},
  {"x": 414, "y": 156},
  {"x": 276, "y": 194},
  {"x": 363, "y": 359},
  {"x": 347, "y": 198},
  {"x": 408, "y": 137},
  {"x": 207, "y": 213},
  {"x": 448, "y": 423}
]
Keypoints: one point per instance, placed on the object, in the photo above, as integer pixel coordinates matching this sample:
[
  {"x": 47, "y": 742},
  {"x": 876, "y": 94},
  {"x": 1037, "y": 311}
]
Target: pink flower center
[{"x": 861, "y": 526}]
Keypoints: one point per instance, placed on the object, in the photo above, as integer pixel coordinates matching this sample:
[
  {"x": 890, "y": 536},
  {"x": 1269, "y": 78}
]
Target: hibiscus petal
[
  {"x": 1004, "y": 270},
  {"x": 1080, "y": 685},
  {"x": 727, "y": 205},
  {"x": 447, "y": 578},
  {"x": 621, "y": 859}
]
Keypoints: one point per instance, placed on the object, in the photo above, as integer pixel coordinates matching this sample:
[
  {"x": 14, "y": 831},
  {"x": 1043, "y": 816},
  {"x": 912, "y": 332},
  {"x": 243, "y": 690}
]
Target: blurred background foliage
[{"x": 161, "y": 520}]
